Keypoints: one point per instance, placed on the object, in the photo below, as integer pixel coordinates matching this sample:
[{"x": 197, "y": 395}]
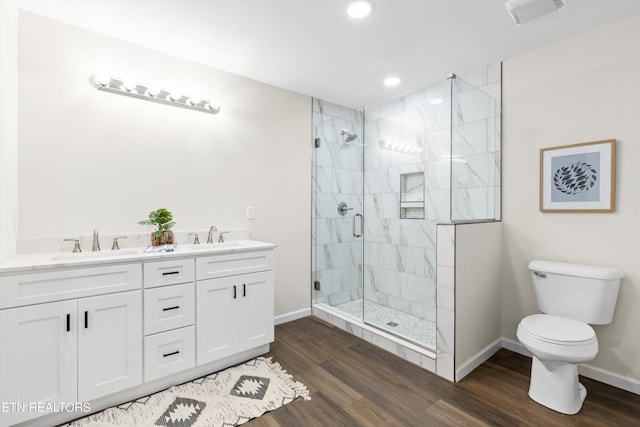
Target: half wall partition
[{"x": 383, "y": 178}]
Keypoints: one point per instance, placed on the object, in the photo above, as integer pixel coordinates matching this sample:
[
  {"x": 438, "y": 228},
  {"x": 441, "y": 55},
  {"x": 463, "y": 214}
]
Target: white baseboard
[
  {"x": 515, "y": 346},
  {"x": 294, "y": 315},
  {"x": 616, "y": 380},
  {"x": 631, "y": 385},
  {"x": 478, "y": 359}
]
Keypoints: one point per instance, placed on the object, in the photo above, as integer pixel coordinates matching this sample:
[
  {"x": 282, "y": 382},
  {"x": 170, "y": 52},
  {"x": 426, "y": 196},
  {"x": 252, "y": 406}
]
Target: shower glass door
[
  {"x": 406, "y": 192},
  {"x": 337, "y": 208},
  {"x": 382, "y": 180}
]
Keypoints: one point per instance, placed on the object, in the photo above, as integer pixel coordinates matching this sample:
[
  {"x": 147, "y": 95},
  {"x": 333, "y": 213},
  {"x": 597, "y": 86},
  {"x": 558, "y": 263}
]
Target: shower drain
[{"x": 392, "y": 324}]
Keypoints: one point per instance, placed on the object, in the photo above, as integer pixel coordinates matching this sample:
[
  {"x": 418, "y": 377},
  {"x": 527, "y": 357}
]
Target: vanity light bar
[
  {"x": 400, "y": 148},
  {"x": 150, "y": 93}
]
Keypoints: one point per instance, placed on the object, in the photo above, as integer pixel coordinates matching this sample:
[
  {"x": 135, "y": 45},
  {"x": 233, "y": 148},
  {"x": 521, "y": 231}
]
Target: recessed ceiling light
[
  {"x": 359, "y": 9},
  {"x": 392, "y": 81}
]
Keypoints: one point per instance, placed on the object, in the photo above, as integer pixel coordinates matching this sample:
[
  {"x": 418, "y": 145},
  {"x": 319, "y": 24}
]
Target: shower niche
[{"x": 412, "y": 195}]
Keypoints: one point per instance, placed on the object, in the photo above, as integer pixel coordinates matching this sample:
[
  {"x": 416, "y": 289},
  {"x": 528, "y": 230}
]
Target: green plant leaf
[{"x": 162, "y": 218}]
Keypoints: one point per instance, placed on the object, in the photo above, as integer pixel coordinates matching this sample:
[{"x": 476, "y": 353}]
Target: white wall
[
  {"x": 582, "y": 89},
  {"x": 8, "y": 126},
  {"x": 477, "y": 289},
  {"x": 91, "y": 159}
]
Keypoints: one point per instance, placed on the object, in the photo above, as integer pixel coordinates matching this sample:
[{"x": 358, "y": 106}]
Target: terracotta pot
[
  {"x": 169, "y": 238},
  {"x": 166, "y": 238}
]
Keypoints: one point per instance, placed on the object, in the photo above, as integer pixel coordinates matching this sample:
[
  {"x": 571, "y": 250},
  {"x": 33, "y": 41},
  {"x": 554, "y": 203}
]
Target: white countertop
[{"x": 48, "y": 261}]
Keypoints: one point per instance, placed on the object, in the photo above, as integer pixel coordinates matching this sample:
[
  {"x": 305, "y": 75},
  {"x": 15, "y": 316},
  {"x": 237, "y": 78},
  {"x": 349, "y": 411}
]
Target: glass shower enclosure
[{"x": 383, "y": 178}]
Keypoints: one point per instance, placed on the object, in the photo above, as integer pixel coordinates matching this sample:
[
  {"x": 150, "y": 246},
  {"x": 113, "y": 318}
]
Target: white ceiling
[{"x": 312, "y": 47}]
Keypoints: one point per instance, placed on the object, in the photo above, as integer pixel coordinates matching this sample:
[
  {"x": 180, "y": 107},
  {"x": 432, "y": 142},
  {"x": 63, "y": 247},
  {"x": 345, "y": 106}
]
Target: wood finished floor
[{"x": 354, "y": 383}]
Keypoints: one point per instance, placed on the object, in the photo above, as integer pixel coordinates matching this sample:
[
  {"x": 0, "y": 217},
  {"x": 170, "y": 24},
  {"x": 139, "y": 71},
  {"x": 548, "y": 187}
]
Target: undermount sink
[{"x": 94, "y": 255}]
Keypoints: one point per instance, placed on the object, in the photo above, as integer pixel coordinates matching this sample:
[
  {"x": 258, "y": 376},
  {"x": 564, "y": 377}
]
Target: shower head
[{"x": 348, "y": 135}]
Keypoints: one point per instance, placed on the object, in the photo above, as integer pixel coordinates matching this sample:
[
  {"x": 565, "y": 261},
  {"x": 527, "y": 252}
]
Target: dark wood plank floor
[{"x": 354, "y": 383}]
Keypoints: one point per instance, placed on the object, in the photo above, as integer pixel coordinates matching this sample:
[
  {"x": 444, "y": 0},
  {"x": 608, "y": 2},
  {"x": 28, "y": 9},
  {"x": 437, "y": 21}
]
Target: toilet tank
[{"x": 576, "y": 291}]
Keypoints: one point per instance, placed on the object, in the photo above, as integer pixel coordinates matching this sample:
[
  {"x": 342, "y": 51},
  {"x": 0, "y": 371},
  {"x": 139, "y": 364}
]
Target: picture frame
[{"x": 578, "y": 177}]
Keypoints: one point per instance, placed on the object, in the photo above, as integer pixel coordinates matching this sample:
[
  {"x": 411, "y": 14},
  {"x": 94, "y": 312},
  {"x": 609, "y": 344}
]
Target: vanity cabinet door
[
  {"x": 215, "y": 319},
  {"x": 234, "y": 314},
  {"x": 109, "y": 344},
  {"x": 255, "y": 315},
  {"x": 38, "y": 357}
]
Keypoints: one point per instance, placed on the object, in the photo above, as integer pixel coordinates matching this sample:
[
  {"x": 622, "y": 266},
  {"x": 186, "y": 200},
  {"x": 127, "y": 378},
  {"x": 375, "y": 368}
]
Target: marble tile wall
[{"x": 337, "y": 177}]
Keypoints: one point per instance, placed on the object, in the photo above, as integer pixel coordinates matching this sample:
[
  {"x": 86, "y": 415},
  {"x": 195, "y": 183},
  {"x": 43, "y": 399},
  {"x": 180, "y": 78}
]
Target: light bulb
[
  {"x": 129, "y": 85},
  {"x": 195, "y": 100},
  {"x": 212, "y": 106},
  {"x": 153, "y": 91},
  {"x": 102, "y": 79},
  {"x": 175, "y": 96}
]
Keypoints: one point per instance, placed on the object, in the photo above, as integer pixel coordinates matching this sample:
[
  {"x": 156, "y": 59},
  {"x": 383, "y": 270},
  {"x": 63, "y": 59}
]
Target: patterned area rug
[{"x": 226, "y": 398}]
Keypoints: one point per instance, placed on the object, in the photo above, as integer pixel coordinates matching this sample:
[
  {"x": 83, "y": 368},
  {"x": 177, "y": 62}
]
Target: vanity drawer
[
  {"x": 35, "y": 288},
  {"x": 213, "y": 266},
  {"x": 172, "y": 272},
  {"x": 169, "y": 352},
  {"x": 169, "y": 307}
]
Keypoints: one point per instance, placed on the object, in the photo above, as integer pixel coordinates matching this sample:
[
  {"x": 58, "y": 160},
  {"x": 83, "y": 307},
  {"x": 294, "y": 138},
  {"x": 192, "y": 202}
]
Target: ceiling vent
[{"x": 523, "y": 11}]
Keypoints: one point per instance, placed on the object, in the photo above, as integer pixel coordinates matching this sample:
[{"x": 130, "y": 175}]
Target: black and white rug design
[{"x": 226, "y": 398}]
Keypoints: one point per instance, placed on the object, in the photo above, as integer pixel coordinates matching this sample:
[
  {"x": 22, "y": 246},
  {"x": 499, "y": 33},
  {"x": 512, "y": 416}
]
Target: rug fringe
[{"x": 300, "y": 389}]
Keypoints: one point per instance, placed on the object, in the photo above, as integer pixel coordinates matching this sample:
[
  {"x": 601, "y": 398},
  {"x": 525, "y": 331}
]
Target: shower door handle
[{"x": 354, "y": 225}]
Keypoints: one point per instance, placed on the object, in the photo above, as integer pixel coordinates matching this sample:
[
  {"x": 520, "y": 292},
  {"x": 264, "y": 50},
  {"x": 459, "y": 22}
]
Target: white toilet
[{"x": 571, "y": 296}]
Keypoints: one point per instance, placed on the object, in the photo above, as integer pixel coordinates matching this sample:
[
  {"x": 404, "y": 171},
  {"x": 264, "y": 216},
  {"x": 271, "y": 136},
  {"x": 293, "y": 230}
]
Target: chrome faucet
[
  {"x": 196, "y": 239},
  {"x": 210, "y": 236},
  {"x": 221, "y": 238},
  {"x": 96, "y": 241}
]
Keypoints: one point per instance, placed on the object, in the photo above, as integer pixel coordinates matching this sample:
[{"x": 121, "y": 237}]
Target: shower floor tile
[{"x": 415, "y": 329}]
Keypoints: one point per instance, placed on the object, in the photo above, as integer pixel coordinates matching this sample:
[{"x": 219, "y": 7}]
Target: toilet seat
[
  {"x": 556, "y": 339},
  {"x": 557, "y": 330}
]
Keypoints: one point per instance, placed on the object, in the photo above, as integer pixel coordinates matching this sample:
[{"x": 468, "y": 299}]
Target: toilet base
[{"x": 556, "y": 386}]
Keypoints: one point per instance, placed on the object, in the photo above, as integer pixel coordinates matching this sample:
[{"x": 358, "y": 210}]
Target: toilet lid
[{"x": 557, "y": 330}]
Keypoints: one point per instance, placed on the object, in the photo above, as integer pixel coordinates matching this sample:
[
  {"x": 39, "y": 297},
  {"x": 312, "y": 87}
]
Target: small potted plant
[{"x": 163, "y": 219}]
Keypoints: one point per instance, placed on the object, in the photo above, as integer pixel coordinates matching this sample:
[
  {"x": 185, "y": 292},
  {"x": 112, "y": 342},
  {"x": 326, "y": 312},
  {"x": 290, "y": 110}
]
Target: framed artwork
[{"x": 578, "y": 177}]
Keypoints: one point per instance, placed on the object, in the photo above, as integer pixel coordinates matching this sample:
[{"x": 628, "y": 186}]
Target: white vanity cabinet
[
  {"x": 169, "y": 316},
  {"x": 74, "y": 349},
  {"x": 235, "y": 308},
  {"x": 110, "y": 331}
]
